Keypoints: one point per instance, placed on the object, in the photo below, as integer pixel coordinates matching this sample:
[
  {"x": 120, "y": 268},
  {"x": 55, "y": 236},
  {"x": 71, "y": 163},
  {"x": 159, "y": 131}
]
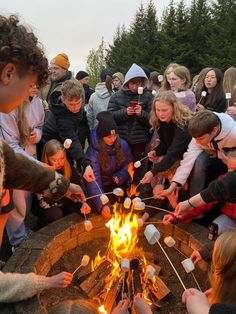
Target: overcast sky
[{"x": 75, "y": 26}]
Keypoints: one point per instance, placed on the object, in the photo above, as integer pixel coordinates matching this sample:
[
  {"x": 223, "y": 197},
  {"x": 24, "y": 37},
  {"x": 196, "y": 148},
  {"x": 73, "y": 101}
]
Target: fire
[
  {"x": 98, "y": 260},
  {"x": 101, "y": 309},
  {"x": 133, "y": 188}
]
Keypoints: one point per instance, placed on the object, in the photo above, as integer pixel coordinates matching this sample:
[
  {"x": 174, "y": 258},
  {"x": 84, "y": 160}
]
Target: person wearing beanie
[
  {"x": 110, "y": 156},
  {"x": 99, "y": 100},
  {"x": 118, "y": 80},
  {"x": 130, "y": 107}
]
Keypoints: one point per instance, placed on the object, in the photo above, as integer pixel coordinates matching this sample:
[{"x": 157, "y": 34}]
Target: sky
[{"x": 74, "y": 26}]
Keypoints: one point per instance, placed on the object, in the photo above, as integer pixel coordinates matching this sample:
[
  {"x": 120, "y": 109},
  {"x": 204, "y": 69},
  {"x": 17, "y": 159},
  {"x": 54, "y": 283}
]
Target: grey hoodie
[{"x": 98, "y": 102}]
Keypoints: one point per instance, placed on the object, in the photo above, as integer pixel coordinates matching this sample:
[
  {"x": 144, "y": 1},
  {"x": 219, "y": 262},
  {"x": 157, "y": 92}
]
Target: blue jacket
[{"x": 106, "y": 178}]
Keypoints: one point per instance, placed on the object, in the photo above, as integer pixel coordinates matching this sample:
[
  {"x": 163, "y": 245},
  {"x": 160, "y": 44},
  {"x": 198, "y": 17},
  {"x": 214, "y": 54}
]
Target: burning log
[
  {"x": 158, "y": 288},
  {"x": 112, "y": 294},
  {"x": 95, "y": 282}
]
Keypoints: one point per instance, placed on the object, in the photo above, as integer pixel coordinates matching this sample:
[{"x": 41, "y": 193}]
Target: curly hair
[
  {"x": 104, "y": 155},
  {"x": 18, "y": 45},
  {"x": 181, "y": 113}
]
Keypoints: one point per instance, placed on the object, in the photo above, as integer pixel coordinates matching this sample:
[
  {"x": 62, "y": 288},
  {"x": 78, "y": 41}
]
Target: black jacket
[
  {"x": 133, "y": 129},
  {"x": 62, "y": 124},
  {"x": 220, "y": 308},
  {"x": 174, "y": 142}
]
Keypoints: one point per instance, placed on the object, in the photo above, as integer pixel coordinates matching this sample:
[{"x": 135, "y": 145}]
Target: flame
[
  {"x": 97, "y": 261},
  {"x": 101, "y": 309},
  {"x": 131, "y": 170},
  {"x": 124, "y": 229}
]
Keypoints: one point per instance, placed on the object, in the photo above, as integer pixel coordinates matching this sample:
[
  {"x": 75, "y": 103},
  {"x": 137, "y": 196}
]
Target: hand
[
  {"x": 231, "y": 110},
  {"x": 182, "y": 208},
  {"x": 88, "y": 174},
  {"x": 116, "y": 180},
  {"x": 163, "y": 194},
  {"x": 85, "y": 208},
  {"x": 130, "y": 111},
  {"x": 141, "y": 305},
  {"x": 169, "y": 219},
  {"x": 138, "y": 110},
  {"x": 61, "y": 280},
  {"x": 75, "y": 193},
  {"x": 200, "y": 107},
  {"x": 32, "y": 138},
  {"x": 196, "y": 301},
  {"x": 152, "y": 155},
  {"x": 122, "y": 307},
  {"x": 173, "y": 198},
  {"x": 195, "y": 257},
  {"x": 157, "y": 188},
  {"x": 147, "y": 178},
  {"x": 106, "y": 212}
]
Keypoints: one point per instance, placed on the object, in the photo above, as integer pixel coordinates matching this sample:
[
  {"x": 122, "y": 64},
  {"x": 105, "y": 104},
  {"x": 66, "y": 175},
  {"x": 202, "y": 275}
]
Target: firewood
[
  {"x": 158, "y": 288},
  {"x": 95, "y": 282}
]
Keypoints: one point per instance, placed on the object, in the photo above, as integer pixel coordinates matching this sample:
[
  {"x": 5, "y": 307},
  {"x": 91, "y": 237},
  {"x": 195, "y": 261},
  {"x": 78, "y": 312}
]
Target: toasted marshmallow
[
  {"x": 127, "y": 203},
  {"x": 118, "y": 192},
  {"x": 104, "y": 199},
  {"x": 88, "y": 225},
  {"x": 85, "y": 260}
]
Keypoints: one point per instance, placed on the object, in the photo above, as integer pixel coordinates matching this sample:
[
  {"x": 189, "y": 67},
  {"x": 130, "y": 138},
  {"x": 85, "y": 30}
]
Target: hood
[
  {"x": 133, "y": 72},
  {"x": 102, "y": 91},
  {"x": 94, "y": 142},
  {"x": 227, "y": 124}
]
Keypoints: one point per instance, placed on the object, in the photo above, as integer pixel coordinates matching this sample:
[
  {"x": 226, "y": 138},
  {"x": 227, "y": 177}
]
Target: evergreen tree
[{"x": 96, "y": 61}]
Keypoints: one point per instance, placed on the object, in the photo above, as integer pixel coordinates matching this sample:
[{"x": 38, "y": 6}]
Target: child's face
[
  {"x": 135, "y": 83},
  {"x": 72, "y": 105},
  {"x": 164, "y": 111},
  {"x": 110, "y": 139},
  {"x": 57, "y": 161},
  {"x": 210, "y": 80},
  {"x": 14, "y": 90},
  {"x": 176, "y": 83}
]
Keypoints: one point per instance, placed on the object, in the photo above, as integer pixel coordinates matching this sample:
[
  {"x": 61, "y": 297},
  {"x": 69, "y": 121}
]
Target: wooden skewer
[
  {"x": 177, "y": 274},
  {"x": 161, "y": 209}
]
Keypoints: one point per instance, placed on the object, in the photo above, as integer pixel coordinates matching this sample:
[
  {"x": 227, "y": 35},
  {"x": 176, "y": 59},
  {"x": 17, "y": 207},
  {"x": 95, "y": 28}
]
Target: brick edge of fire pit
[{"x": 45, "y": 248}]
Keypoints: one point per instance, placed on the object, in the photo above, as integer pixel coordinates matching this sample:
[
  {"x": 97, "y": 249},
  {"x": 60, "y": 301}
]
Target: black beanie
[
  {"x": 106, "y": 124},
  {"x": 104, "y": 73},
  {"x": 81, "y": 74}
]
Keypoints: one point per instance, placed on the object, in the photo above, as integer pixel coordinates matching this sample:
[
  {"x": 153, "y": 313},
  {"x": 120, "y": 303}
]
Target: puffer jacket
[
  {"x": 106, "y": 178},
  {"x": 134, "y": 129},
  {"x": 98, "y": 102}
]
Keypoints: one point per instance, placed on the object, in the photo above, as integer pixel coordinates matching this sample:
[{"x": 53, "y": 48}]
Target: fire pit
[{"x": 62, "y": 245}]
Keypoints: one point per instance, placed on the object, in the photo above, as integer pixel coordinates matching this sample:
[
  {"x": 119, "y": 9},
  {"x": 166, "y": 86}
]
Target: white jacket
[{"x": 226, "y": 138}]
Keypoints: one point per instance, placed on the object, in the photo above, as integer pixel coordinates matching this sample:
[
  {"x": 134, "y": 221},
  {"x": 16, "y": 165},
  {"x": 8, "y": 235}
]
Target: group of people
[{"x": 184, "y": 132}]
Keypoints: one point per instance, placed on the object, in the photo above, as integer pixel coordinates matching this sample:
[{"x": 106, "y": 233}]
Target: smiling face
[
  {"x": 164, "y": 111},
  {"x": 14, "y": 90}
]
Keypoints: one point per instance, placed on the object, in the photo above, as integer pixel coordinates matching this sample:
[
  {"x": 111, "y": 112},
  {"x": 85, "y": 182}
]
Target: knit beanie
[
  {"x": 106, "y": 124},
  {"x": 119, "y": 75},
  {"x": 81, "y": 74},
  {"x": 104, "y": 73},
  {"x": 62, "y": 61}
]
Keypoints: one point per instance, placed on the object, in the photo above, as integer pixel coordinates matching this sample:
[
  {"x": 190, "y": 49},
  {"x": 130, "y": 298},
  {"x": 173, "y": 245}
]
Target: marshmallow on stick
[
  {"x": 228, "y": 95},
  {"x": 125, "y": 264},
  {"x": 139, "y": 205},
  {"x": 127, "y": 203},
  {"x": 67, "y": 143},
  {"x": 150, "y": 271},
  {"x": 152, "y": 234},
  {"x": 88, "y": 225},
  {"x": 188, "y": 265},
  {"x": 169, "y": 241},
  {"x": 104, "y": 199},
  {"x": 118, "y": 192},
  {"x": 140, "y": 90}
]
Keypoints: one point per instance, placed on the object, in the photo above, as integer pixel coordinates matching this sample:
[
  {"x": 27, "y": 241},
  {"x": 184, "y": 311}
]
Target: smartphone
[
  {"x": 133, "y": 103},
  {"x": 212, "y": 231}
]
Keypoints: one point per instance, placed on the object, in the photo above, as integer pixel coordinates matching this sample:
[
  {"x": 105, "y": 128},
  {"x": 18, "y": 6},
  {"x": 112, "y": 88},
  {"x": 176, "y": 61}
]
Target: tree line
[{"x": 201, "y": 35}]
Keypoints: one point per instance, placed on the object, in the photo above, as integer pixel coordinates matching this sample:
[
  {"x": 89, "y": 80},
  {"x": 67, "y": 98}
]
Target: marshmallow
[
  {"x": 127, "y": 203},
  {"x": 140, "y": 90},
  {"x": 136, "y": 199},
  {"x": 154, "y": 93},
  {"x": 150, "y": 271},
  {"x": 67, "y": 143},
  {"x": 169, "y": 241},
  {"x": 139, "y": 205},
  {"x": 88, "y": 225},
  {"x": 85, "y": 260},
  {"x": 188, "y": 265},
  {"x": 125, "y": 264},
  {"x": 137, "y": 164},
  {"x": 104, "y": 199},
  {"x": 204, "y": 93},
  {"x": 228, "y": 95},
  {"x": 118, "y": 192},
  {"x": 152, "y": 234},
  {"x": 160, "y": 78},
  {"x": 140, "y": 222}
]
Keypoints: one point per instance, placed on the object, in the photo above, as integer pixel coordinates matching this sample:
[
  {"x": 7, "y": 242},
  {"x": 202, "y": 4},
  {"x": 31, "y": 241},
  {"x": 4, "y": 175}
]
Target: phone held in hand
[
  {"x": 212, "y": 231},
  {"x": 133, "y": 103}
]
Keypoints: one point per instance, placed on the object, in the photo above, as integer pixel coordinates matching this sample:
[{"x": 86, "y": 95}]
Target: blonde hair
[
  {"x": 183, "y": 73},
  {"x": 50, "y": 149},
  {"x": 165, "y": 84},
  {"x": 181, "y": 113},
  {"x": 23, "y": 125},
  {"x": 223, "y": 272},
  {"x": 229, "y": 84}
]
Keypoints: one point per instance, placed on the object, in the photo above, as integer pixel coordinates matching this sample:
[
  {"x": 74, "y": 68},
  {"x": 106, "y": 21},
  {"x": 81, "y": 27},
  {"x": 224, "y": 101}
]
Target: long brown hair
[
  {"x": 23, "y": 125},
  {"x": 50, "y": 149},
  {"x": 223, "y": 270},
  {"x": 229, "y": 84},
  {"x": 181, "y": 113},
  {"x": 104, "y": 155}
]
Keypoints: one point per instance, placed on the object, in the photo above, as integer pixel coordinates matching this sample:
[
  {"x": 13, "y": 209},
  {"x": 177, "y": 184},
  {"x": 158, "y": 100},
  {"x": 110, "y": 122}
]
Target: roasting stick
[
  {"x": 161, "y": 209},
  {"x": 88, "y": 198}
]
